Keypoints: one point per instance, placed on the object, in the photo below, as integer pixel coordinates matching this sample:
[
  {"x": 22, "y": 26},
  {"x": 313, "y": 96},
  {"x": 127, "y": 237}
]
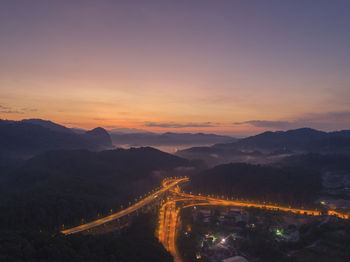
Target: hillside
[
  {"x": 303, "y": 139},
  {"x": 66, "y": 187},
  {"x": 130, "y": 245},
  {"x": 288, "y": 185},
  {"x": 271, "y": 146},
  {"x": 21, "y": 139},
  {"x": 62, "y": 187},
  {"x": 167, "y": 139}
]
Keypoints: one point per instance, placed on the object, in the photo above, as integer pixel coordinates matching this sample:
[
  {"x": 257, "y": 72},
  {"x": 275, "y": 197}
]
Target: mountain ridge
[{"x": 20, "y": 139}]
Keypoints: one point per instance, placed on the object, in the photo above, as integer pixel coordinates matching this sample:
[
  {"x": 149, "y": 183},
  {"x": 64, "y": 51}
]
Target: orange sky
[{"x": 207, "y": 66}]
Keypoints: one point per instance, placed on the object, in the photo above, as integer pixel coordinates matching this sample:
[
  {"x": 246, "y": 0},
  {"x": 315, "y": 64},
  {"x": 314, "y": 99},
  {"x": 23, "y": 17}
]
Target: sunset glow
[{"x": 185, "y": 66}]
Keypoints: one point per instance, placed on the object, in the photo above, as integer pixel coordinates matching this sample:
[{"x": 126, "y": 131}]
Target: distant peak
[
  {"x": 100, "y": 134},
  {"x": 97, "y": 130}
]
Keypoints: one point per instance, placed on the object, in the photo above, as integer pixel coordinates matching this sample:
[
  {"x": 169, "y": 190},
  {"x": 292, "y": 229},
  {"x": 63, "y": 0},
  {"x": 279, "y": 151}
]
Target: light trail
[
  {"x": 167, "y": 227},
  {"x": 222, "y": 202},
  {"x": 168, "y": 223},
  {"x": 166, "y": 186},
  {"x": 169, "y": 213}
]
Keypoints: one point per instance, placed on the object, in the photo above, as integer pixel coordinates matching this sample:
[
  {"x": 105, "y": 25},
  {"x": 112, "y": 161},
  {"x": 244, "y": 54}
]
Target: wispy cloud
[
  {"x": 333, "y": 116},
  {"x": 179, "y": 125},
  {"x": 9, "y": 110},
  {"x": 325, "y": 121},
  {"x": 265, "y": 123},
  {"x": 27, "y": 109}
]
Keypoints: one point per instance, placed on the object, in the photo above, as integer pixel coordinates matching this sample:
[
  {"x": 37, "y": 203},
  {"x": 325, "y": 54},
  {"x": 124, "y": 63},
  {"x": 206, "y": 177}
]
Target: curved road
[
  {"x": 166, "y": 185},
  {"x": 168, "y": 215}
]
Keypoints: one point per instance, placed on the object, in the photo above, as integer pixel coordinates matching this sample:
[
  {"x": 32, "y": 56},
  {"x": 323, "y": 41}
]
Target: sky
[{"x": 233, "y": 67}]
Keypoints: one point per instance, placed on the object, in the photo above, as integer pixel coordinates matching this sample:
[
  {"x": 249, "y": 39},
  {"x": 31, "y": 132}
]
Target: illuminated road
[
  {"x": 222, "y": 202},
  {"x": 168, "y": 217},
  {"x": 167, "y": 227},
  {"x": 166, "y": 185},
  {"x": 169, "y": 211}
]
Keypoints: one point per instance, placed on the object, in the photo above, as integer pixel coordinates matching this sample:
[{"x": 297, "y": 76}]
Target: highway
[
  {"x": 167, "y": 227},
  {"x": 166, "y": 185},
  {"x": 222, "y": 202},
  {"x": 169, "y": 212}
]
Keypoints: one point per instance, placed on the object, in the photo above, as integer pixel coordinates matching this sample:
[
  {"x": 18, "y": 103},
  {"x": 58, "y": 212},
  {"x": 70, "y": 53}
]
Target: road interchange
[
  {"x": 166, "y": 185},
  {"x": 170, "y": 209}
]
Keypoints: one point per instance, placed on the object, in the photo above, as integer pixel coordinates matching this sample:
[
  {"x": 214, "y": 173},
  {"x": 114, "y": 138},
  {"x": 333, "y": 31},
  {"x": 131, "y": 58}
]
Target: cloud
[
  {"x": 325, "y": 121},
  {"x": 99, "y": 119},
  {"x": 337, "y": 115},
  {"x": 9, "y": 110},
  {"x": 265, "y": 123},
  {"x": 179, "y": 125},
  {"x": 26, "y": 109},
  {"x": 3, "y": 107}
]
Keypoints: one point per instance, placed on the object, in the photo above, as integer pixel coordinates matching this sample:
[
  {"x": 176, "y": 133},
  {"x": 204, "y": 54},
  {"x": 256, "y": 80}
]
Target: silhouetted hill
[
  {"x": 120, "y": 131},
  {"x": 273, "y": 144},
  {"x": 213, "y": 156},
  {"x": 99, "y": 136},
  {"x": 293, "y": 139},
  {"x": 64, "y": 186},
  {"x": 136, "y": 244},
  {"x": 48, "y": 124},
  {"x": 320, "y": 162},
  {"x": 29, "y": 137},
  {"x": 168, "y": 139},
  {"x": 303, "y": 139},
  {"x": 288, "y": 185}
]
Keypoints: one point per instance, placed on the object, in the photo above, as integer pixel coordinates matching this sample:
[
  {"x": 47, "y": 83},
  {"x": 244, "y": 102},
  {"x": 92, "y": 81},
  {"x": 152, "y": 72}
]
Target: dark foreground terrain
[{"x": 64, "y": 183}]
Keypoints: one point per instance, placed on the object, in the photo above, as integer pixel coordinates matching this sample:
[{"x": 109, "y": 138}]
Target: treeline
[
  {"x": 70, "y": 187},
  {"x": 285, "y": 185},
  {"x": 319, "y": 162},
  {"x": 136, "y": 244}
]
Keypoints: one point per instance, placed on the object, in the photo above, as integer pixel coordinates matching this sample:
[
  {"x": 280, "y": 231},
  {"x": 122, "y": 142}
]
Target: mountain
[
  {"x": 48, "y": 124},
  {"x": 128, "y": 131},
  {"x": 25, "y": 138},
  {"x": 168, "y": 139},
  {"x": 303, "y": 139},
  {"x": 298, "y": 139},
  {"x": 99, "y": 136},
  {"x": 269, "y": 145},
  {"x": 321, "y": 162}
]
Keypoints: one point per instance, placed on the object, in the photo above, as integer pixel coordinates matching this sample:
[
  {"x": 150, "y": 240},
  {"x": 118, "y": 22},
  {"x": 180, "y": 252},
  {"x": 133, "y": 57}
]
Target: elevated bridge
[{"x": 167, "y": 185}]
